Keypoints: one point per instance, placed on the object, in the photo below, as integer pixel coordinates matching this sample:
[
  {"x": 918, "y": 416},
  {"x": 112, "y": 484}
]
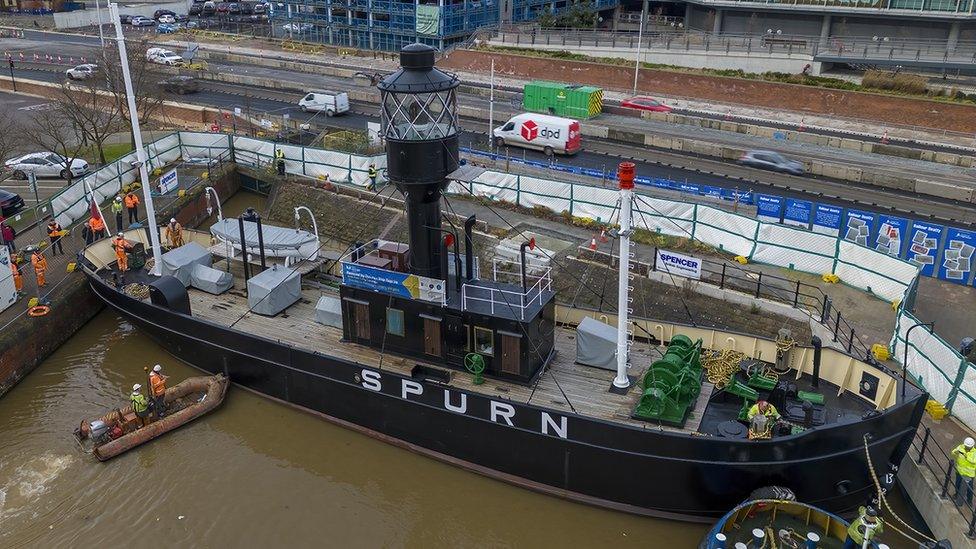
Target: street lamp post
[{"x": 904, "y": 364}]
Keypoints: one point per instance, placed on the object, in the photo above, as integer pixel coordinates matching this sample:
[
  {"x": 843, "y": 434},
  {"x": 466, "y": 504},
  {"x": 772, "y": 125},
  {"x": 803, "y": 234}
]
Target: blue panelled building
[{"x": 391, "y": 24}]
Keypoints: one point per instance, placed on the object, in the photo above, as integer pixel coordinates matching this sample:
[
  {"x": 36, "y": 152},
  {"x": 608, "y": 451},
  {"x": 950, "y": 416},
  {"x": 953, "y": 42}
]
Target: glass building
[{"x": 391, "y": 24}]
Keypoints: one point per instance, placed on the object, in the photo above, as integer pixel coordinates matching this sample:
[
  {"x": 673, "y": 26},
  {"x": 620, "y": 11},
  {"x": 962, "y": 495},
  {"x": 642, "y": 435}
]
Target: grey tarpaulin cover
[
  {"x": 179, "y": 262},
  {"x": 273, "y": 290},
  {"x": 328, "y": 311},
  {"x": 275, "y": 238},
  {"x": 210, "y": 280},
  {"x": 596, "y": 344}
]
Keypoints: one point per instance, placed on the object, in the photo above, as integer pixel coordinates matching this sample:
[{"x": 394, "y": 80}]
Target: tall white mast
[
  {"x": 113, "y": 11},
  {"x": 491, "y": 105},
  {"x": 625, "y": 174}
]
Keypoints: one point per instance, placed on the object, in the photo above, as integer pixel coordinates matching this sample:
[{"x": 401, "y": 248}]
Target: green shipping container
[{"x": 568, "y": 100}]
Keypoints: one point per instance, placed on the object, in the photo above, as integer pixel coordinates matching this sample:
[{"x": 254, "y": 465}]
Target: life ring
[{"x": 38, "y": 310}]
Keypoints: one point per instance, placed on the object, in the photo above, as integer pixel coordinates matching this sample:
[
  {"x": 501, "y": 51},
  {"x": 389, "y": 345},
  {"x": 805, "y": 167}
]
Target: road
[
  {"x": 79, "y": 45},
  {"x": 599, "y": 156}
]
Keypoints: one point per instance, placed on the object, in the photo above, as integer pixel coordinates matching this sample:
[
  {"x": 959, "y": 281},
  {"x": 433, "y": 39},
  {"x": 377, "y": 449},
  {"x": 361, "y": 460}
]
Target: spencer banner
[
  {"x": 798, "y": 213},
  {"x": 891, "y": 235},
  {"x": 428, "y": 19},
  {"x": 826, "y": 219},
  {"x": 859, "y": 227},
  {"x": 957, "y": 255},
  {"x": 924, "y": 246},
  {"x": 769, "y": 208}
]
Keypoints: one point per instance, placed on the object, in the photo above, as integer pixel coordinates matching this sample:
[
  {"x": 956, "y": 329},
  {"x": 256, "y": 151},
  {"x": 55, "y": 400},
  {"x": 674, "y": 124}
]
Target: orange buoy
[{"x": 38, "y": 310}]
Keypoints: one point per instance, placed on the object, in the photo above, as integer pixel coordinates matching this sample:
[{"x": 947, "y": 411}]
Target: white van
[
  {"x": 332, "y": 103},
  {"x": 550, "y": 134}
]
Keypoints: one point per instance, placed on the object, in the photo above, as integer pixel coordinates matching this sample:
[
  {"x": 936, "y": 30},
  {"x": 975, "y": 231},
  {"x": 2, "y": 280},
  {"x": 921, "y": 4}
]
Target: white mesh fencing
[
  {"x": 794, "y": 248},
  {"x": 936, "y": 365},
  {"x": 726, "y": 231},
  {"x": 874, "y": 272}
]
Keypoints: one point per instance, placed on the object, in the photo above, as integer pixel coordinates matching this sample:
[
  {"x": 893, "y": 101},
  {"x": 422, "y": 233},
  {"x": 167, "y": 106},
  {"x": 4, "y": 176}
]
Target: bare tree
[
  {"x": 145, "y": 77},
  {"x": 10, "y": 142},
  {"x": 92, "y": 110}
]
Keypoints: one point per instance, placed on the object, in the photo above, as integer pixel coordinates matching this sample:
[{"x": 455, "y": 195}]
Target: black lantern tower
[{"x": 419, "y": 122}]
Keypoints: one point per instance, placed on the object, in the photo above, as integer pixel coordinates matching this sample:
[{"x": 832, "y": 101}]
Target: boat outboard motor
[{"x": 169, "y": 292}]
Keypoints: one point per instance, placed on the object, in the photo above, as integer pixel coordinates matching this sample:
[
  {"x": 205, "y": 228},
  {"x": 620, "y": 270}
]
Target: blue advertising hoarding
[
  {"x": 377, "y": 280},
  {"x": 923, "y": 249},
  {"x": 891, "y": 235},
  {"x": 743, "y": 197},
  {"x": 798, "y": 213},
  {"x": 712, "y": 191},
  {"x": 769, "y": 208},
  {"x": 690, "y": 188},
  {"x": 859, "y": 227},
  {"x": 957, "y": 255},
  {"x": 826, "y": 219}
]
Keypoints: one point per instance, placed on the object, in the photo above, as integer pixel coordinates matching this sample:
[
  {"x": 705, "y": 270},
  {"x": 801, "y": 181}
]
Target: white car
[
  {"x": 297, "y": 27},
  {"x": 163, "y": 56},
  {"x": 166, "y": 18},
  {"x": 140, "y": 21},
  {"x": 46, "y": 164},
  {"x": 82, "y": 72}
]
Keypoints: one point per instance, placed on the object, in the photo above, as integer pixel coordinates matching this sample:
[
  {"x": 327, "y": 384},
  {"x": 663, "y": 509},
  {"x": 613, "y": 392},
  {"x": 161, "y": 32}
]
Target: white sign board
[
  {"x": 169, "y": 181},
  {"x": 8, "y": 290},
  {"x": 373, "y": 130},
  {"x": 678, "y": 264}
]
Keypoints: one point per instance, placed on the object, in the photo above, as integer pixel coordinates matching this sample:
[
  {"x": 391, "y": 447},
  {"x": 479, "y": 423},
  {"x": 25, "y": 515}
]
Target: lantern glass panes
[{"x": 420, "y": 116}]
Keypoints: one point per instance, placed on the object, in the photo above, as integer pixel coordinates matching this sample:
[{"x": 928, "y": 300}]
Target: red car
[{"x": 644, "y": 103}]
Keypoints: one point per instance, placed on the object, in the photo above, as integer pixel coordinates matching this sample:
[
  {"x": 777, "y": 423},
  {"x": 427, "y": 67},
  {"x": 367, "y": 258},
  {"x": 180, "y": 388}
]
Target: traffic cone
[
  {"x": 802, "y": 126},
  {"x": 884, "y": 138},
  {"x": 603, "y": 235},
  {"x": 728, "y": 114},
  {"x": 593, "y": 244}
]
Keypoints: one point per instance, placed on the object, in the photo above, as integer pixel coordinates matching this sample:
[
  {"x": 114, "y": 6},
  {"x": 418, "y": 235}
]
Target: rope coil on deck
[
  {"x": 721, "y": 366},
  {"x": 136, "y": 290}
]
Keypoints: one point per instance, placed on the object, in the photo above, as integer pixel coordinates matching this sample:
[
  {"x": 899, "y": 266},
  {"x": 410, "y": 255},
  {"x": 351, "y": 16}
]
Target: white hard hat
[
  {"x": 969, "y": 442},
  {"x": 118, "y": 199},
  {"x": 119, "y": 234},
  {"x": 136, "y": 387},
  {"x": 172, "y": 220},
  {"x": 157, "y": 368}
]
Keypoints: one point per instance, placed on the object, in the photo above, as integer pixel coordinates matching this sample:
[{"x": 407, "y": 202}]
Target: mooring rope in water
[{"x": 884, "y": 502}]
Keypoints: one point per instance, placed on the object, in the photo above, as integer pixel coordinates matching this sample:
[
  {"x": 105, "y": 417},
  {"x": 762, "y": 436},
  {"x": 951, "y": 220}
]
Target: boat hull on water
[
  {"x": 644, "y": 471},
  {"x": 205, "y": 394}
]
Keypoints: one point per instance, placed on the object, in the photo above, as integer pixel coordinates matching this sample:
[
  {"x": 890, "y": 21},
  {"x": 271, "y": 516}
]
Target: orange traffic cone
[
  {"x": 884, "y": 138},
  {"x": 593, "y": 243}
]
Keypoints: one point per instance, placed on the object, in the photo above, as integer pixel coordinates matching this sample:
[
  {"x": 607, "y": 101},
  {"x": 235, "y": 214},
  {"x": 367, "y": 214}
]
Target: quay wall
[{"x": 27, "y": 341}]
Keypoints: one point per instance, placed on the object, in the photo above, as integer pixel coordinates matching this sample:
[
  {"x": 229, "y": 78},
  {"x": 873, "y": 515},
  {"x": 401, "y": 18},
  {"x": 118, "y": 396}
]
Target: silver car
[
  {"x": 46, "y": 164},
  {"x": 82, "y": 72},
  {"x": 769, "y": 160}
]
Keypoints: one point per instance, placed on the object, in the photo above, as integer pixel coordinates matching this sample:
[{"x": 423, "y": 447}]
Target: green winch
[{"x": 672, "y": 384}]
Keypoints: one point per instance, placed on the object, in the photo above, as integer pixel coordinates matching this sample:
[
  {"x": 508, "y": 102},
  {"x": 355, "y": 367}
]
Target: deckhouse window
[
  {"x": 484, "y": 341},
  {"x": 394, "y": 322}
]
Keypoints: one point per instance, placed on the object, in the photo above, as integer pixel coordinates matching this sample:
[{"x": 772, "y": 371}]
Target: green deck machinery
[{"x": 672, "y": 384}]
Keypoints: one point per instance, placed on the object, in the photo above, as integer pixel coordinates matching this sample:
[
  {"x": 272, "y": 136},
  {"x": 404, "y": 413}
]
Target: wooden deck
[{"x": 564, "y": 386}]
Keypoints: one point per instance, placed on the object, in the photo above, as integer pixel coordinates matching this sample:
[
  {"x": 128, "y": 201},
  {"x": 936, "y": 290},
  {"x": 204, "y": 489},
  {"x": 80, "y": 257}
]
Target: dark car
[
  {"x": 159, "y": 13},
  {"x": 125, "y": 18},
  {"x": 181, "y": 85},
  {"x": 223, "y": 8},
  {"x": 770, "y": 160},
  {"x": 234, "y": 7},
  {"x": 247, "y": 8},
  {"x": 196, "y": 8},
  {"x": 10, "y": 203},
  {"x": 182, "y": 18},
  {"x": 209, "y": 8}
]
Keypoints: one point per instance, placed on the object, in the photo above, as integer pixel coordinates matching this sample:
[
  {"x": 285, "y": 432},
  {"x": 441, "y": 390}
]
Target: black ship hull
[{"x": 643, "y": 471}]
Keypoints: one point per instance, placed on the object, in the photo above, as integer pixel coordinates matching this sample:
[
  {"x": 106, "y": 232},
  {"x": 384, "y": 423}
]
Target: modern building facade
[{"x": 391, "y": 24}]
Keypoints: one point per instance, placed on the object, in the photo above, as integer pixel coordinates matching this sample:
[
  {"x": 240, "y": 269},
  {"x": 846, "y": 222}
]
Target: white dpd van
[
  {"x": 332, "y": 103},
  {"x": 550, "y": 134}
]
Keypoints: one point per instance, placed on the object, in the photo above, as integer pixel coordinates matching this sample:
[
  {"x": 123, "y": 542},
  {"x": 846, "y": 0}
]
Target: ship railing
[
  {"x": 499, "y": 299},
  {"x": 929, "y": 455}
]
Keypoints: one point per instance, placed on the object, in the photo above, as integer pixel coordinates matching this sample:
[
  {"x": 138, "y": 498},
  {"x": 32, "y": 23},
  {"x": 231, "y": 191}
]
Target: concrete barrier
[{"x": 944, "y": 190}]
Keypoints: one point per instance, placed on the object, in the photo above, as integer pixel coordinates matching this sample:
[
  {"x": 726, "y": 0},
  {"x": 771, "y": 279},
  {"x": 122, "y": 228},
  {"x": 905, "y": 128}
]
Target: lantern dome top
[{"x": 417, "y": 73}]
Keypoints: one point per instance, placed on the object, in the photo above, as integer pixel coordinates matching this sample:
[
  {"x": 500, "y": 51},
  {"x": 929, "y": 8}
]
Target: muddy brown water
[{"x": 253, "y": 474}]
